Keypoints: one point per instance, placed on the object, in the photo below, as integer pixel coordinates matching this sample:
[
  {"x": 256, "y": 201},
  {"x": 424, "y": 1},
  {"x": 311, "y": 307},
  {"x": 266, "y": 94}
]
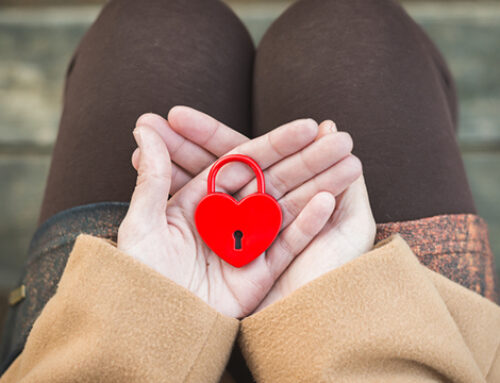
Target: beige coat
[{"x": 381, "y": 318}]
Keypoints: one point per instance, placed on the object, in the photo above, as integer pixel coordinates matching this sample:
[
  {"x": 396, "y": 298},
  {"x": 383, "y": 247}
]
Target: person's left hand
[{"x": 348, "y": 234}]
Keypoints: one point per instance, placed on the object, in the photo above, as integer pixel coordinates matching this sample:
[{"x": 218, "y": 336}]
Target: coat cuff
[
  {"x": 115, "y": 319},
  {"x": 382, "y": 315}
]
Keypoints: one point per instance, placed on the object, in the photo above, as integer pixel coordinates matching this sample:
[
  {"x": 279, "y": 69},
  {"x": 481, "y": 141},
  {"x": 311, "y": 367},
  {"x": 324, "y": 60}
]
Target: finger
[
  {"x": 179, "y": 176},
  {"x": 293, "y": 171},
  {"x": 355, "y": 199},
  {"x": 334, "y": 180},
  {"x": 183, "y": 152},
  {"x": 266, "y": 150},
  {"x": 353, "y": 207},
  {"x": 300, "y": 233},
  {"x": 135, "y": 158},
  {"x": 154, "y": 171},
  {"x": 204, "y": 130},
  {"x": 326, "y": 127}
]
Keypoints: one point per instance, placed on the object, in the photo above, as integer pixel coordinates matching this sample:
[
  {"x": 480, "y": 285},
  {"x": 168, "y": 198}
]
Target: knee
[
  {"x": 153, "y": 38},
  {"x": 344, "y": 12},
  {"x": 158, "y": 23},
  {"x": 341, "y": 21}
]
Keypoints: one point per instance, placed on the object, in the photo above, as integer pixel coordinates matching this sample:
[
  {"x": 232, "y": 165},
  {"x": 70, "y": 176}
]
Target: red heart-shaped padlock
[{"x": 238, "y": 231}]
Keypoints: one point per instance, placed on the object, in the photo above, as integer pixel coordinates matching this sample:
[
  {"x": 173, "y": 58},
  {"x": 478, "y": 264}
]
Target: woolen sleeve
[
  {"x": 114, "y": 319},
  {"x": 380, "y": 318}
]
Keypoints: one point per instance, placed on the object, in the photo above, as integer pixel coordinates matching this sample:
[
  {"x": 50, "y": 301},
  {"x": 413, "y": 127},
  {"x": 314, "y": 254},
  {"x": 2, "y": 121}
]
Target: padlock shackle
[{"x": 261, "y": 185}]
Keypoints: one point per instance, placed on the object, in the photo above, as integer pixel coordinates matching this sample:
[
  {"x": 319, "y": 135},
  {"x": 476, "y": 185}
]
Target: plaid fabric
[{"x": 455, "y": 246}]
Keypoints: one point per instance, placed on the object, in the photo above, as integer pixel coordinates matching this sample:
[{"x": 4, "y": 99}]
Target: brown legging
[{"x": 363, "y": 63}]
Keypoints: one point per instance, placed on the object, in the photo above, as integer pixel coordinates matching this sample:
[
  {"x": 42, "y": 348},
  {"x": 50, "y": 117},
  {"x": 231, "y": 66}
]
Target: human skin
[{"x": 305, "y": 166}]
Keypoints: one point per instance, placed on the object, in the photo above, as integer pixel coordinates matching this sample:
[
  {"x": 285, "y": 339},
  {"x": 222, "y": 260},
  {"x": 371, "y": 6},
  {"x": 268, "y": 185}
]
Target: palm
[
  {"x": 233, "y": 291},
  {"x": 349, "y": 233}
]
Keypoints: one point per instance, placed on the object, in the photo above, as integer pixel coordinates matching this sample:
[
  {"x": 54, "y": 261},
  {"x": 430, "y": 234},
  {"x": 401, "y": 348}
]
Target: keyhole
[{"x": 237, "y": 239}]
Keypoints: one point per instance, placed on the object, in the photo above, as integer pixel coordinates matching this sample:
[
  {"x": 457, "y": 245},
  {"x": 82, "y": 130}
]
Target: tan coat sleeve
[
  {"x": 114, "y": 319},
  {"x": 380, "y": 318}
]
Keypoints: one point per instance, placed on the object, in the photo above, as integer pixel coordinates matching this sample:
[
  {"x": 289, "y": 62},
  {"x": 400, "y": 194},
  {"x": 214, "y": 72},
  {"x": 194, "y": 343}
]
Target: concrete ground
[{"x": 36, "y": 43}]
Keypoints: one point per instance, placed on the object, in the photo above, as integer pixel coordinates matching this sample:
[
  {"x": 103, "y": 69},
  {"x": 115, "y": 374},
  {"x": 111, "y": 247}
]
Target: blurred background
[{"x": 37, "y": 38}]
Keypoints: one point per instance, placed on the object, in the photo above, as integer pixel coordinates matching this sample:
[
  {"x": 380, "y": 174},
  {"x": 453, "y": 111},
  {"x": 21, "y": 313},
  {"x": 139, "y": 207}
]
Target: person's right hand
[
  {"x": 162, "y": 234},
  {"x": 194, "y": 141}
]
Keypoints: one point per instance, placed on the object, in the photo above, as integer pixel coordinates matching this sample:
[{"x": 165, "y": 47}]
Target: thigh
[
  {"x": 369, "y": 67},
  {"x": 138, "y": 57}
]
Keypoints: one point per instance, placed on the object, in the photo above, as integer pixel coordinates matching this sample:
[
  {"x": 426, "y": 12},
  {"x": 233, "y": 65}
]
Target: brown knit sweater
[{"x": 383, "y": 317}]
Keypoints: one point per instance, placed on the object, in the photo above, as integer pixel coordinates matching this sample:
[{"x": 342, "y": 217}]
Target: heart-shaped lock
[{"x": 238, "y": 231}]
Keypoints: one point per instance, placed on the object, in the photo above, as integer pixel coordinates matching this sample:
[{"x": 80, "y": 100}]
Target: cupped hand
[
  {"x": 349, "y": 233},
  {"x": 161, "y": 232}
]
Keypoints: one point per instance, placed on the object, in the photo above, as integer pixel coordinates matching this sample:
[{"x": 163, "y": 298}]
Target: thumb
[
  {"x": 154, "y": 173},
  {"x": 356, "y": 214}
]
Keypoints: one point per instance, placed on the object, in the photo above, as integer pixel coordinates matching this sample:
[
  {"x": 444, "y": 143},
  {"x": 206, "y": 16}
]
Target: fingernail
[
  {"x": 331, "y": 126},
  {"x": 137, "y": 136},
  {"x": 141, "y": 136},
  {"x": 135, "y": 158},
  {"x": 152, "y": 120}
]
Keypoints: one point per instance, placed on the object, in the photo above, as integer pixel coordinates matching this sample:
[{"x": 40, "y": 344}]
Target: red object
[{"x": 238, "y": 231}]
